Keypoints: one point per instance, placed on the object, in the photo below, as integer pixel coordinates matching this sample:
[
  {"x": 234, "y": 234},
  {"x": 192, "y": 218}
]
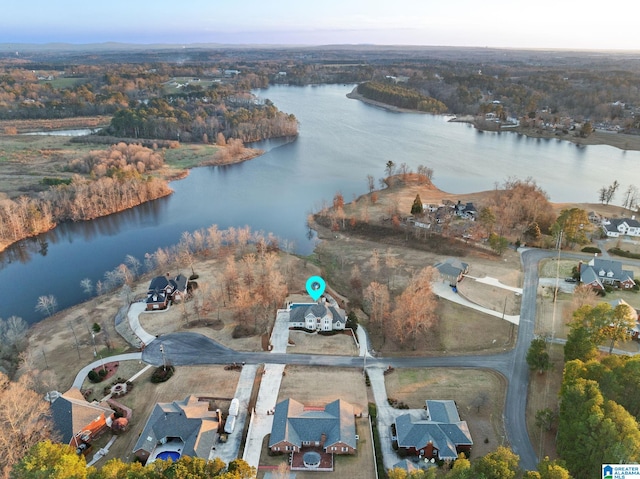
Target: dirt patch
[{"x": 479, "y": 395}]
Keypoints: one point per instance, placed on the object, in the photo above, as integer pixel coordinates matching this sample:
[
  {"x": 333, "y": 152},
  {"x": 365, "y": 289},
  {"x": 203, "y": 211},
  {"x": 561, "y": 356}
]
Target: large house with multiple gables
[
  {"x": 78, "y": 421},
  {"x": 164, "y": 289},
  {"x": 441, "y": 435},
  {"x": 295, "y": 428},
  {"x": 179, "y": 428},
  {"x": 621, "y": 227},
  {"x": 321, "y": 316},
  {"x": 599, "y": 273}
]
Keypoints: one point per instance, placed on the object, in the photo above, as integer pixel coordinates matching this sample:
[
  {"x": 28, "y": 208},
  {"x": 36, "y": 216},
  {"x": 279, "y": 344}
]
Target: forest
[
  {"x": 400, "y": 97},
  {"x": 550, "y": 85}
]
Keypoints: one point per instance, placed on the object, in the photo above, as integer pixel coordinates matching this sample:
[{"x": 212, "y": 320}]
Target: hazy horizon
[{"x": 544, "y": 24}]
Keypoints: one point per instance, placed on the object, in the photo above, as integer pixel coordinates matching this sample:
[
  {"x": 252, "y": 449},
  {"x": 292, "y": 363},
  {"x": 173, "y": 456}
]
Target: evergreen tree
[
  {"x": 538, "y": 357},
  {"x": 416, "y": 207}
]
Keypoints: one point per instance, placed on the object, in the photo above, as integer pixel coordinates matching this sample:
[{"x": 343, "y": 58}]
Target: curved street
[{"x": 191, "y": 349}]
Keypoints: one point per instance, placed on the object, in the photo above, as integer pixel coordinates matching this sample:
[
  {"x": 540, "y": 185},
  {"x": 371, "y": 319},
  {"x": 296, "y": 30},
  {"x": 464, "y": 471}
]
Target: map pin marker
[{"x": 315, "y": 287}]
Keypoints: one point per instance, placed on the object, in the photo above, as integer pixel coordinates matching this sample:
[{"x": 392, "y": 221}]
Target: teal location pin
[{"x": 315, "y": 287}]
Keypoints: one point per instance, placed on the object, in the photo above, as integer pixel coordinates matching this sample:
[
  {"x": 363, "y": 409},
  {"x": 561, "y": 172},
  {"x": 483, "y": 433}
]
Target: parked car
[{"x": 571, "y": 280}]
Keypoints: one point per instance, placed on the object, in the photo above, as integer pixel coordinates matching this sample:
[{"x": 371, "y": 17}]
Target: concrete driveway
[{"x": 443, "y": 290}]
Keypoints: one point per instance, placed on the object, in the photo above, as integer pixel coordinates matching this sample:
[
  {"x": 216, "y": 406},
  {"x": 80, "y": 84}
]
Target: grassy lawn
[
  {"x": 62, "y": 82},
  {"x": 479, "y": 395},
  {"x": 549, "y": 267},
  {"x": 189, "y": 156}
]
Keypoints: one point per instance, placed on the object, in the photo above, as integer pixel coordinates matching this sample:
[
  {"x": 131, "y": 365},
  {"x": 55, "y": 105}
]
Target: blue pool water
[{"x": 165, "y": 455}]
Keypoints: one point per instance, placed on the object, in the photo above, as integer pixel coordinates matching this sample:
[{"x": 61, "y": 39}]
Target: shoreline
[
  {"x": 623, "y": 141},
  {"x": 247, "y": 155}
]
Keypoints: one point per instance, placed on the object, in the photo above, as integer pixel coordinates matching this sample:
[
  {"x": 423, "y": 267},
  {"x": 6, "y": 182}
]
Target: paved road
[{"x": 191, "y": 348}]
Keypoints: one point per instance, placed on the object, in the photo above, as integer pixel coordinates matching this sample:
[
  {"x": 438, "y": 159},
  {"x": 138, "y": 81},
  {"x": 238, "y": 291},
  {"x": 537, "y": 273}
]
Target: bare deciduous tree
[
  {"x": 47, "y": 304},
  {"x": 415, "y": 308},
  {"x": 87, "y": 286},
  {"x": 25, "y": 420},
  {"x": 377, "y": 302}
]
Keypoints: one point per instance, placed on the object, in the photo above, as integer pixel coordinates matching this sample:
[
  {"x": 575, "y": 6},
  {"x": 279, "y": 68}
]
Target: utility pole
[
  {"x": 164, "y": 361},
  {"x": 555, "y": 291},
  {"x": 76, "y": 339},
  {"x": 46, "y": 365}
]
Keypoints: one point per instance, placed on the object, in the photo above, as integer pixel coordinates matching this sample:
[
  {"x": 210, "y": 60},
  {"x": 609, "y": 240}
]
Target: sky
[{"x": 565, "y": 24}]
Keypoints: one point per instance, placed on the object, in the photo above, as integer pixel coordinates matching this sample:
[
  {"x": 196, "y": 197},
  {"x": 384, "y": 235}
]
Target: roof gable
[
  {"x": 71, "y": 413},
  {"x": 294, "y": 424},
  {"x": 189, "y": 420}
]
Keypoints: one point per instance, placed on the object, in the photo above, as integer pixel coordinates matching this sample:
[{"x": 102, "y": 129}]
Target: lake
[{"x": 341, "y": 141}]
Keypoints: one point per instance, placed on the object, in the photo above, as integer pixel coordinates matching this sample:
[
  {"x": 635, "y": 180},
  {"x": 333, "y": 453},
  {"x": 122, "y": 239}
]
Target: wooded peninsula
[{"x": 148, "y": 110}]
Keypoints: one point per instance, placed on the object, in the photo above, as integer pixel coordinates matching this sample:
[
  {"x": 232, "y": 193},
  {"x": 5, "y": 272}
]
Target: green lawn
[
  {"x": 61, "y": 83},
  {"x": 189, "y": 156}
]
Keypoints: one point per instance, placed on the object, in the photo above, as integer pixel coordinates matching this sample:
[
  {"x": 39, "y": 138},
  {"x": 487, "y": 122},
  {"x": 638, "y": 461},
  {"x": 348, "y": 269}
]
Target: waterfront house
[
  {"x": 77, "y": 420},
  {"x": 164, "y": 289}
]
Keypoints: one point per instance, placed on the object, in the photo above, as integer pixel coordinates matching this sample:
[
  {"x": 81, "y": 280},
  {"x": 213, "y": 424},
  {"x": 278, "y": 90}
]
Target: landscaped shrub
[
  {"x": 94, "y": 377},
  {"x": 96, "y": 328},
  {"x": 591, "y": 249},
  {"x": 102, "y": 373},
  {"x": 242, "y": 331},
  {"x": 162, "y": 374},
  {"x": 624, "y": 253}
]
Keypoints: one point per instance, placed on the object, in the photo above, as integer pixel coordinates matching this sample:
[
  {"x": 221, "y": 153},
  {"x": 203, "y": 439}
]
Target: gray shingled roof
[
  {"x": 317, "y": 310},
  {"x": 71, "y": 413},
  {"x": 293, "y": 424},
  {"x": 189, "y": 420},
  {"x": 414, "y": 431},
  {"x": 604, "y": 266},
  {"x": 614, "y": 223},
  {"x": 442, "y": 411},
  {"x": 451, "y": 267},
  {"x": 337, "y": 314}
]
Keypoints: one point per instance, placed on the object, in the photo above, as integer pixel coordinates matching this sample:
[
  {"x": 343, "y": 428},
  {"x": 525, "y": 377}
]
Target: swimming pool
[{"x": 165, "y": 455}]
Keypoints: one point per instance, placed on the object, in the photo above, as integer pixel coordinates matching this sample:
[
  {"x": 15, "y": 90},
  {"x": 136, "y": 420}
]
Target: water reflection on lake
[{"x": 341, "y": 141}]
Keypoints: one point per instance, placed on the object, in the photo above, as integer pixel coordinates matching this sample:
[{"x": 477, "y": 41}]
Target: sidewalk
[{"x": 82, "y": 374}]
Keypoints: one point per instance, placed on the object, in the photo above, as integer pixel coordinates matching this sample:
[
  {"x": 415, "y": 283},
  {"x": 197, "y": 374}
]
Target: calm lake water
[{"x": 341, "y": 141}]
